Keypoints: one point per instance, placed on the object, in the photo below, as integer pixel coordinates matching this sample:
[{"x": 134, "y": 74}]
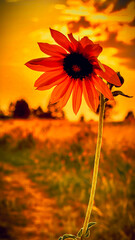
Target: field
[{"x": 45, "y": 176}]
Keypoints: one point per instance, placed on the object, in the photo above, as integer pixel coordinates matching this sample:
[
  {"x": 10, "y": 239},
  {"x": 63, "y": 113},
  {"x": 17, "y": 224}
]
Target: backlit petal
[
  {"x": 101, "y": 66},
  {"x": 53, "y": 82},
  {"x": 60, "y": 90},
  {"x": 52, "y": 50},
  {"x": 72, "y": 39},
  {"x": 102, "y": 87},
  {"x": 90, "y": 94},
  {"x": 76, "y": 45},
  {"x": 42, "y": 64},
  {"x": 109, "y": 75},
  {"x": 61, "y": 39},
  {"x": 77, "y": 96},
  {"x": 86, "y": 41},
  {"x": 35, "y": 65},
  {"x": 45, "y": 78},
  {"x": 65, "y": 98},
  {"x": 93, "y": 50}
]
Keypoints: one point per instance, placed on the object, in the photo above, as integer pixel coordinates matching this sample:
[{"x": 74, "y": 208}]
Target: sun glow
[{"x": 26, "y": 24}]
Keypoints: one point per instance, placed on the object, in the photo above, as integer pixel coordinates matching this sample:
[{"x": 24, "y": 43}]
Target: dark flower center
[{"x": 77, "y": 66}]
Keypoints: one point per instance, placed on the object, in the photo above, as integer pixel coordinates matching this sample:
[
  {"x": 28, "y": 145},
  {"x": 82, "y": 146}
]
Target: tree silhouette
[
  {"x": 130, "y": 117},
  {"x": 82, "y": 119},
  {"x": 38, "y": 112},
  {"x": 2, "y": 114},
  {"x": 55, "y": 111},
  {"x": 21, "y": 109},
  {"x": 11, "y": 109}
]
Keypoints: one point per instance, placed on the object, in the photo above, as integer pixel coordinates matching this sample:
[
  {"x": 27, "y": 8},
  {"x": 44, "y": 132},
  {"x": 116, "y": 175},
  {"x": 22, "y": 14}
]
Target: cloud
[
  {"x": 100, "y": 5},
  {"x": 125, "y": 51},
  {"x": 117, "y": 4},
  {"x": 74, "y": 26},
  {"x": 120, "y": 4},
  {"x": 132, "y": 23}
]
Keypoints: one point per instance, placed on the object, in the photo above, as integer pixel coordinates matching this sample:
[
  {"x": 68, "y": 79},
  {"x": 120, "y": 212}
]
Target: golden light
[{"x": 26, "y": 24}]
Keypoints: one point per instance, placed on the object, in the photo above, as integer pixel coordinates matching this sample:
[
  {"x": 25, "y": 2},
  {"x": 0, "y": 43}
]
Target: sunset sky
[{"x": 26, "y": 22}]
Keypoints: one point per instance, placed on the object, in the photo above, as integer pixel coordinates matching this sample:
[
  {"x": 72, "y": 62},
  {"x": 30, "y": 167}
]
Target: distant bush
[
  {"x": 21, "y": 109},
  {"x": 130, "y": 117}
]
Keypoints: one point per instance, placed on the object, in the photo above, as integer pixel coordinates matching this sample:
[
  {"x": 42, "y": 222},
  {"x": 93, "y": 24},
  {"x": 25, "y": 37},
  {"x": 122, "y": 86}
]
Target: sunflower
[{"x": 73, "y": 67}]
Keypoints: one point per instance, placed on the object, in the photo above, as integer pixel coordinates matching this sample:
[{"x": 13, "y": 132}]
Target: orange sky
[{"x": 26, "y": 22}]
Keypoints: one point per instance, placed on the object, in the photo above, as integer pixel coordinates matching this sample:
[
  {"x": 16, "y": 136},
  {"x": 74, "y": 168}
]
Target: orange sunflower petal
[
  {"x": 52, "y": 50},
  {"x": 86, "y": 41},
  {"x": 65, "y": 98},
  {"x": 90, "y": 94},
  {"x": 102, "y": 87},
  {"x": 60, "y": 90},
  {"x": 109, "y": 75},
  {"x": 42, "y": 64},
  {"x": 45, "y": 78},
  {"x": 93, "y": 50},
  {"x": 35, "y": 64},
  {"x": 77, "y": 96},
  {"x": 72, "y": 39},
  {"x": 76, "y": 45},
  {"x": 53, "y": 82},
  {"x": 61, "y": 39}
]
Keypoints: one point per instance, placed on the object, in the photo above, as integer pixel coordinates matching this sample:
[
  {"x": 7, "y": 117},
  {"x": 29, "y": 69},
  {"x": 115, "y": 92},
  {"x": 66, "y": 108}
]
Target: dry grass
[{"x": 46, "y": 169}]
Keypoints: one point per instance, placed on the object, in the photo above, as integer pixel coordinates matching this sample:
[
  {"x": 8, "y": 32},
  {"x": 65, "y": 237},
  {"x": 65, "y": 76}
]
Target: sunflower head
[
  {"x": 73, "y": 68},
  {"x": 77, "y": 66}
]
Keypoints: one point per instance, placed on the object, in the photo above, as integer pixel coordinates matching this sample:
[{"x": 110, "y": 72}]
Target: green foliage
[
  {"x": 79, "y": 234},
  {"x": 67, "y": 237},
  {"x": 87, "y": 234},
  {"x": 5, "y": 140},
  {"x": 25, "y": 143}
]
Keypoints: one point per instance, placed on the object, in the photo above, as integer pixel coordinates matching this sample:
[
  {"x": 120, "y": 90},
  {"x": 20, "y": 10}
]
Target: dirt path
[{"x": 37, "y": 209}]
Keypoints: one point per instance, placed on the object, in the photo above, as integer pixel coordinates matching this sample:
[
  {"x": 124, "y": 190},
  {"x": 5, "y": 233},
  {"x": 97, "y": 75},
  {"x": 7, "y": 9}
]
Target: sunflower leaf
[
  {"x": 121, "y": 78},
  {"x": 79, "y": 234},
  {"x": 117, "y": 93},
  {"x": 67, "y": 237},
  {"x": 90, "y": 224},
  {"x": 87, "y": 234}
]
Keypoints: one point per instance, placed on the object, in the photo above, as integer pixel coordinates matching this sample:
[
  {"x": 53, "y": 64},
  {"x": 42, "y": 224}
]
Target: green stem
[{"x": 96, "y": 164}]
